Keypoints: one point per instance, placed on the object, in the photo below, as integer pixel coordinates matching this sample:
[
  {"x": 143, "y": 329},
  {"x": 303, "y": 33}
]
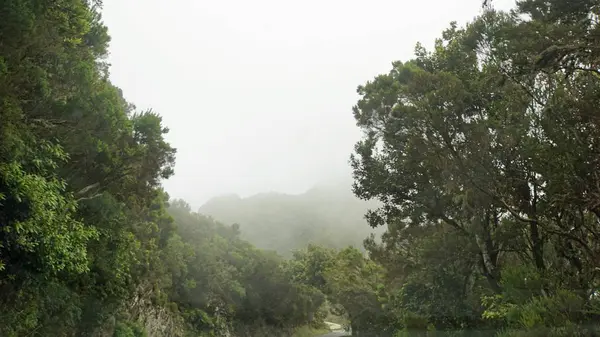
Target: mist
[{"x": 258, "y": 95}]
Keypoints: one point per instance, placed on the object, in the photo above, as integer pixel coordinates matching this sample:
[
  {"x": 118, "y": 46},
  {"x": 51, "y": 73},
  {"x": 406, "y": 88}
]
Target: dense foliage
[
  {"x": 223, "y": 283},
  {"x": 484, "y": 152},
  {"x": 88, "y": 244}
]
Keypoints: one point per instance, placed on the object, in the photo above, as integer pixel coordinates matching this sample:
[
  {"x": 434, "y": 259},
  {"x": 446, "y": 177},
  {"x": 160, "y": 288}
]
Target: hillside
[{"x": 327, "y": 214}]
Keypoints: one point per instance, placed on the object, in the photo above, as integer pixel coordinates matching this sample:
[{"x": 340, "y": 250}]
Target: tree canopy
[
  {"x": 484, "y": 153},
  {"x": 89, "y": 244}
]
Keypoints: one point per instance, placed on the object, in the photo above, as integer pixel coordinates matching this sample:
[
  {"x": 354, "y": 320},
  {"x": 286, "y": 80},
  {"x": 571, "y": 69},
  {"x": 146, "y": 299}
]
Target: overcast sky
[{"x": 258, "y": 93}]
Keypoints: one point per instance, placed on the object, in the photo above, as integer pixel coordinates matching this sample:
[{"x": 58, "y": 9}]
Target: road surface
[
  {"x": 336, "y": 330},
  {"x": 336, "y": 334}
]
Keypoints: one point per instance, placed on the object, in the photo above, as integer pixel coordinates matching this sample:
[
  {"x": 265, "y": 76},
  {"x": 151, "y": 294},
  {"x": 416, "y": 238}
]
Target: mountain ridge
[{"x": 326, "y": 214}]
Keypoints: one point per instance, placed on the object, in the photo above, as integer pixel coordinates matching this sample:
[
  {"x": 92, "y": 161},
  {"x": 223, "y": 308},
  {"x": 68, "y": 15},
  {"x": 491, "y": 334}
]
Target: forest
[{"x": 481, "y": 154}]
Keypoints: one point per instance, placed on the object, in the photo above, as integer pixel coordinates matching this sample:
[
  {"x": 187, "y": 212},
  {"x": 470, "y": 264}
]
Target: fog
[{"x": 258, "y": 94}]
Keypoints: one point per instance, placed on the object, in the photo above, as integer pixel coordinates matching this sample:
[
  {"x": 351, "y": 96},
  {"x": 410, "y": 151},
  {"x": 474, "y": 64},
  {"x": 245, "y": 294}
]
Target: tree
[
  {"x": 79, "y": 174},
  {"x": 490, "y": 140},
  {"x": 353, "y": 283}
]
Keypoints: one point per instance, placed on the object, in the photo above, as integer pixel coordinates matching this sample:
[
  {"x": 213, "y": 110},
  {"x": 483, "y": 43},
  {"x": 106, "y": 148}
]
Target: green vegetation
[
  {"x": 306, "y": 331},
  {"x": 484, "y": 152},
  {"x": 480, "y": 158},
  {"x": 328, "y": 215},
  {"x": 89, "y": 244},
  {"x": 226, "y": 284}
]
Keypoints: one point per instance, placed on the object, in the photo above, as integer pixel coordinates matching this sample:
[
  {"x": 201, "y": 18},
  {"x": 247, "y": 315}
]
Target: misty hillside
[{"x": 328, "y": 215}]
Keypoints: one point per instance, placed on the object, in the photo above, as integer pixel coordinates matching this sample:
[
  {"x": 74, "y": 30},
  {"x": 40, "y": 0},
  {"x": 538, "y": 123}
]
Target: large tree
[{"x": 493, "y": 134}]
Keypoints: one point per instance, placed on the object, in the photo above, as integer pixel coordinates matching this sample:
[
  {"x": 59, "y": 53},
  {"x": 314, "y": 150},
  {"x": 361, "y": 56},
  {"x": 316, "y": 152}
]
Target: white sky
[{"x": 258, "y": 93}]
